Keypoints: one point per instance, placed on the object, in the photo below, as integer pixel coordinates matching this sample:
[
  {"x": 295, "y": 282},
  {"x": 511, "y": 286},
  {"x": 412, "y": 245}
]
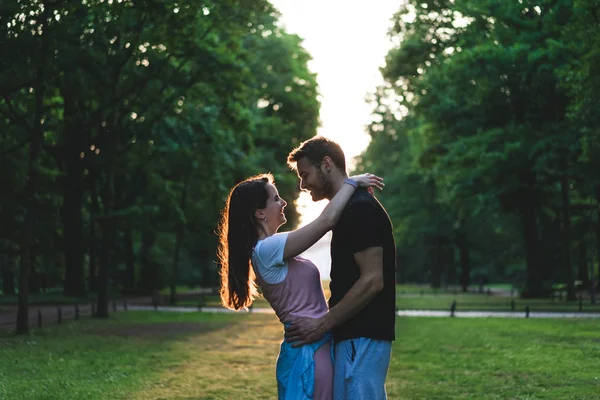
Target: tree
[
  {"x": 137, "y": 119},
  {"x": 489, "y": 126}
]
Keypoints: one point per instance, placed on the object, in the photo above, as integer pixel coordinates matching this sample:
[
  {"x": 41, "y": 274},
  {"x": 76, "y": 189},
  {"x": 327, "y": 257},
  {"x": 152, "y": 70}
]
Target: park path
[
  {"x": 401, "y": 313},
  {"x": 47, "y": 315},
  {"x": 43, "y": 315}
]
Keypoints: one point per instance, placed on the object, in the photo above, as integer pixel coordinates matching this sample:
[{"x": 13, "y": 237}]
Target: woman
[{"x": 251, "y": 249}]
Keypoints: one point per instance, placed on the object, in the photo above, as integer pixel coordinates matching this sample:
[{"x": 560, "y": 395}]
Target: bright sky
[{"x": 348, "y": 43}]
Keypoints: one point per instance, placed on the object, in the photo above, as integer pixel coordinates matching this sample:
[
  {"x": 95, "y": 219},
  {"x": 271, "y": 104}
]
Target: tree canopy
[
  {"x": 124, "y": 125},
  {"x": 485, "y": 132}
]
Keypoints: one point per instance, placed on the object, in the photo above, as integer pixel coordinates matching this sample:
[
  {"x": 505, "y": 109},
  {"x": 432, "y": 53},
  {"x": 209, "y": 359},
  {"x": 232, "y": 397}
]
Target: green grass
[
  {"x": 215, "y": 301},
  {"x": 95, "y": 359},
  {"x": 417, "y": 289},
  {"x": 179, "y": 289},
  {"x": 453, "y": 358},
  {"x": 152, "y": 355},
  {"x": 504, "y": 286},
  {"x": 427, "y": 289},
  {"x": 483, "y": 302}
]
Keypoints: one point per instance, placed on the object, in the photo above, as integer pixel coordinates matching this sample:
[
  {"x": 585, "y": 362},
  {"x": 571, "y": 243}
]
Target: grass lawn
[
  {"x": 427, "y": 289},
  {"x": 148, "y": 355},
  {"x": 136, "y": 355},
  {"x": 453, "y": 358},
  {"x": 215, "y": 301},
  {"x": 483, "y": 302}
]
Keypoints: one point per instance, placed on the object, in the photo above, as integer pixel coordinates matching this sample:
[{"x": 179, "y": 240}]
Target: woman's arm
[{"x": 302, "y": 238}]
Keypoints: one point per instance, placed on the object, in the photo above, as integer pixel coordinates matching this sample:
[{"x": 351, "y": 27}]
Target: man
[{"x": 363, "y": 295}]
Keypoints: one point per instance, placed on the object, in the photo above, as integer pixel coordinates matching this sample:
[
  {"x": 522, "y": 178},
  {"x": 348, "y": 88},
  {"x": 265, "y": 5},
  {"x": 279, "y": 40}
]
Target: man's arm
[{"x": 370, "y": 282}]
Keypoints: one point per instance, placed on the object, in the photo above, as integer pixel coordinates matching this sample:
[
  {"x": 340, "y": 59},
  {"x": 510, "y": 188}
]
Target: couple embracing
[{"x": 339, "y": 350}]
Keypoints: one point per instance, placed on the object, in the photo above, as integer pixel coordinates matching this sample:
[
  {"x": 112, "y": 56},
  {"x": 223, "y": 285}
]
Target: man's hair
[{"x": 315, "y": 149}]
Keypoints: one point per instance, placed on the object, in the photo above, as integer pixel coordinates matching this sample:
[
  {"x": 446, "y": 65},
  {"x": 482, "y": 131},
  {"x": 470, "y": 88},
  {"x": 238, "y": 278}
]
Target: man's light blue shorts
[{"x": 360, "y": 368}]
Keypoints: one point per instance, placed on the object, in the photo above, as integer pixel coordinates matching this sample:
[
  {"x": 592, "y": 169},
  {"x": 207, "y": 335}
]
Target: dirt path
[{"x": 224, "y": 366}]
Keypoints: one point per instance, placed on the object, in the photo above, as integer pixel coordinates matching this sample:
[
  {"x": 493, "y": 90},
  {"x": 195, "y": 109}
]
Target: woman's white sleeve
[{"x": 268, "y": 257}]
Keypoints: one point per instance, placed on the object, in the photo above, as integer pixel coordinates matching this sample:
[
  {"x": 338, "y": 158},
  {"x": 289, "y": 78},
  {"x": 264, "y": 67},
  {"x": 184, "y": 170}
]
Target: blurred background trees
[
  {"x": 486, "y": 129},
  {"x": 123, "y": 126}
]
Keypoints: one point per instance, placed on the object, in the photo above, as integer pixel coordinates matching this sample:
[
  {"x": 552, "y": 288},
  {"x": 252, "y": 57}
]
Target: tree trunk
[
  {"x": 25, "y": 253},
  {"x": 74, "y": 152},
  {"x": 73, "y": 226},
  {"x": 104, "y": 270},
  {"x": 34, "y": 276},
  {"x": 36, "y": 141},
  {"x": 93, "y": 246},
  {"x": 533, "y": 285},
  {"x": 175, "y": 267},
  {"x": 148, "y": 273},
  {"x": 435, "y": 278},
  {"x": 178, "y": 242},
  {"x": 582, "y": 264},
  {"x": 8, "y": 276},
  {"x": 566, "y": 229},
  {"x": 129, "y": 259},
  {"x": 450, "y": 274},
  {"x": 597, "y": 275},
  {"x": 108, "y": 226},
  {"x": 108, "y": 230},
  {"x": 465, "y": 260},
  {"x": 593, "y": 278}
]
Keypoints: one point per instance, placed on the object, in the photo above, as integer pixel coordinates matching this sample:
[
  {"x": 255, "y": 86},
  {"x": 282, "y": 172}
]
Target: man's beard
[{"x": 323, "y": 189}]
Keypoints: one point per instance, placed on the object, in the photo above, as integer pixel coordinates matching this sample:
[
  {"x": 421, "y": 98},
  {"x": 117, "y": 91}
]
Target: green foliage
[
  {"x": 482, "y": 119},
  {"x": 146, "y": 355},
  {"x": 493, "y": 358},
  {"x": 152, "y": 111}
]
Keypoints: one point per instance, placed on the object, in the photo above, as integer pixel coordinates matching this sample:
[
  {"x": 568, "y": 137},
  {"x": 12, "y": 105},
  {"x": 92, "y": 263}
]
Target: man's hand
[{"x": 305, "y": 330}]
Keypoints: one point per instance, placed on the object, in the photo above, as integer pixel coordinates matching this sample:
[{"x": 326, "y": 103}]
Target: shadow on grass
[
  {"x": 135, "y": 325},
  {"x": 162, "y": 331},
  {"x": 103, "y": 358}
]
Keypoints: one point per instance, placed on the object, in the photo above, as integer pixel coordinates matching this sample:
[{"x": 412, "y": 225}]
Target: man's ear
[{"x": 326, "y": 164}]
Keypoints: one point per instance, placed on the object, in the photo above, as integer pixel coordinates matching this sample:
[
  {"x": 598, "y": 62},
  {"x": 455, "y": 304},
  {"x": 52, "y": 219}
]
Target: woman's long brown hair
[{"x": 238, "y": 234}]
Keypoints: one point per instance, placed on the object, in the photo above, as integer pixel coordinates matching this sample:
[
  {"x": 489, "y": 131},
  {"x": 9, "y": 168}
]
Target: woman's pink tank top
[{"x": 300, "y": 294}]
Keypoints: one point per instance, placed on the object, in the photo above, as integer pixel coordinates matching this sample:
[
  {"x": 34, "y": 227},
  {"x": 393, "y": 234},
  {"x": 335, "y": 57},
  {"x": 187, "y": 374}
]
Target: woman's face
[{"x": 273, "y": 211}]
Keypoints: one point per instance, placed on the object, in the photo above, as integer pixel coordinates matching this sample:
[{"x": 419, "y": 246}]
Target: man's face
[{"x": 313, "y": 180}]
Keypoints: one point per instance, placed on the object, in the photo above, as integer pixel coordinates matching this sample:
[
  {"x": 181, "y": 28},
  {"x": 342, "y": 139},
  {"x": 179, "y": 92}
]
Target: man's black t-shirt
[{"x": 364, "y": 223}]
